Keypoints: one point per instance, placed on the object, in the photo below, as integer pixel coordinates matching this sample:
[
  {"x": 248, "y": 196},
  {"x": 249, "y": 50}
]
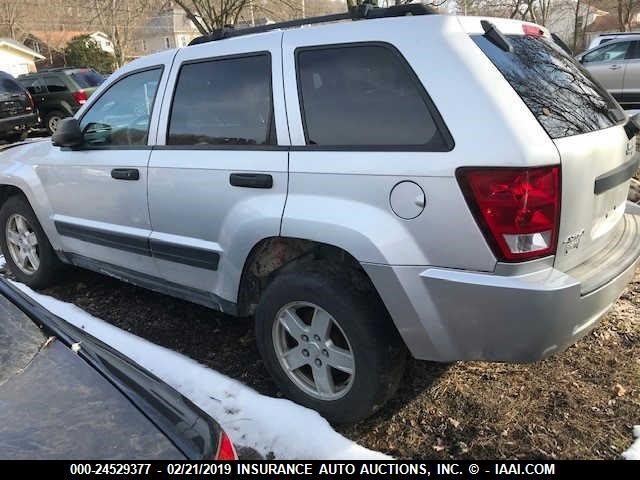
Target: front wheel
[
  {"x": 328, "y": 345},
  {"x": 25, "y": 246}
]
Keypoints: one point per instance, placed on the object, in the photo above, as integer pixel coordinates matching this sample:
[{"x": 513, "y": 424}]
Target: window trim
[
  {"x": 441, "y": 127},
  {"x": 271, "y": 133},
  {"x": 98, "y": 97}
]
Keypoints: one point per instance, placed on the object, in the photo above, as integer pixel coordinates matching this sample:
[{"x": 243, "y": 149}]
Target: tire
[
  {"x": 377, "y": 350},
  {"x": 49, "y": 263},
  {"x": 52, "y": 119}
]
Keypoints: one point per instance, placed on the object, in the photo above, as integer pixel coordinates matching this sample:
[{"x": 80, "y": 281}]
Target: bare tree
[
  {"x": 12, "y": 14},
  {"x": 120, "y": 19},
  {"x": 626, "y": 11}
]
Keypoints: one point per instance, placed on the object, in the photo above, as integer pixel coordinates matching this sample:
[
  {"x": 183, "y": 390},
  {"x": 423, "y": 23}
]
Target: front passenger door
[
  {"x": 98, "y": 192},
  {"x": 607, "y": 65}
]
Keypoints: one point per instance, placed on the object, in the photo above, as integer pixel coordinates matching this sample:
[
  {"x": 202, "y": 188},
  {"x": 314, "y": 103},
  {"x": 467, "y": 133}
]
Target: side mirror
[{"x": 68, "y": 133}]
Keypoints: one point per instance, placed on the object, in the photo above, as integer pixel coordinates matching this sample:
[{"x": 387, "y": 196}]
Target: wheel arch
[{"x": 273, "y": 255}]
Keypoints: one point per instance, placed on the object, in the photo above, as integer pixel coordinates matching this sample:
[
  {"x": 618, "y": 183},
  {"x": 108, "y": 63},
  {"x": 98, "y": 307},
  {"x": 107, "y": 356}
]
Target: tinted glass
[
  {"x": 363, "y": 96},
  {"x": 558, "y": 91},
  {"x": 34, "y": 85},
  {"x": 8, "y": 85},
  {"x": 610, "y": 53},
  {"x": 121, "y": 115},
  {"x": 55, "y": 84},
  {"x": 634, "y": 51},
  {"x": 87, "y": 78},
  {"x": 222, "y": 102}
]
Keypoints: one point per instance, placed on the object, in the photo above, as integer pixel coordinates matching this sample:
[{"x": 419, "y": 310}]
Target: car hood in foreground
[{"x": 92, "y": 404}]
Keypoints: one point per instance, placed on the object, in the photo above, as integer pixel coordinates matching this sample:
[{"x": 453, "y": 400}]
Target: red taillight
[
  {"x": 532, "y": 30},
  {"x": 226, "y": 451},
  {"x": 518, "y": 208},
  {"x": 80, "y": 96}
]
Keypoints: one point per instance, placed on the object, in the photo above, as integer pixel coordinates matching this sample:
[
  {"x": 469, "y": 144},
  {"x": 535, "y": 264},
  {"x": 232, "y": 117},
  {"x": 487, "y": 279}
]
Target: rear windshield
[
  {"x": 87, "y": 78},
  {"x": 9, "y": 86},
  {"x": 558, "y": 91}
]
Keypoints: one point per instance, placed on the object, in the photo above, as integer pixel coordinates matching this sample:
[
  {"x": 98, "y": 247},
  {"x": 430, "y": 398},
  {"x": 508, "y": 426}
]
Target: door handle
[
  {"x": 251, "y": 180},
  {"x": 615, "y": 67},
  {"x": 125, "y": 174}
]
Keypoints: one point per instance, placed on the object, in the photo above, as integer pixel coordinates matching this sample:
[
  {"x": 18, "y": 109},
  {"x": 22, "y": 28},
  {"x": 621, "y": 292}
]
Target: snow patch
[
  {"x": 633, "y": 453},
  {"x": 269, "y": 425}
]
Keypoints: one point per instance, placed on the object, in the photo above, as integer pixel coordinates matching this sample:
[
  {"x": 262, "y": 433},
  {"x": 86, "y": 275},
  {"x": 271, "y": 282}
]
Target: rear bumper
[
  {"x": 449, "y": 315},
  {"x": 11, "y": 124}
]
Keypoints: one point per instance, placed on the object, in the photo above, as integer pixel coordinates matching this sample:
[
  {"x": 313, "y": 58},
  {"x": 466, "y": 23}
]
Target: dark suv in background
[
  {"x": 17, "y": 110},
  {"x": 60, "y": 92}
]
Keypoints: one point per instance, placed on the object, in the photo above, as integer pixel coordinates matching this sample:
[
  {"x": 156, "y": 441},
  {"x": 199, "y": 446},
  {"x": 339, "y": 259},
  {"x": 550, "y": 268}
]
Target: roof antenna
[{"x": 495, "y": 36}]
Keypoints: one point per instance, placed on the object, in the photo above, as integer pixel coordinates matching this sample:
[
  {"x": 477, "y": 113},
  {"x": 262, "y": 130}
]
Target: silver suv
[
  {"x": 450, "y": 187},
  {"x": 616, "y": 65}
]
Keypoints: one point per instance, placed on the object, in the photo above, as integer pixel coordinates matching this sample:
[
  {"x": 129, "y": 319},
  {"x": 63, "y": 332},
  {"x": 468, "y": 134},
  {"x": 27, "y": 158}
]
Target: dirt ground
[{"x": 581, "y": 403}]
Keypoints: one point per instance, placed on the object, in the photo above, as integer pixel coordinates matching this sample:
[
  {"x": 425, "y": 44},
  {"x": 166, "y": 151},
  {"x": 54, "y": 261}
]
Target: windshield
[
  {"x": 558, "y": 91},
  {"x": 87, "y": 78}
]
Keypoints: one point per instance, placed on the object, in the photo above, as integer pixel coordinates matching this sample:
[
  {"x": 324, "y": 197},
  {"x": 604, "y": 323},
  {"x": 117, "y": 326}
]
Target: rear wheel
[
  {"x": 25, "y": 246},
  {"x": 328, "y": 345}
]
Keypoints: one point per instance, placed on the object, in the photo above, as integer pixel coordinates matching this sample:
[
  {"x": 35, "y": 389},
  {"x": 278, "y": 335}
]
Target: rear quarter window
[
  {"x": 365, "y": 95},
  {"x": 559, "y": 92}
]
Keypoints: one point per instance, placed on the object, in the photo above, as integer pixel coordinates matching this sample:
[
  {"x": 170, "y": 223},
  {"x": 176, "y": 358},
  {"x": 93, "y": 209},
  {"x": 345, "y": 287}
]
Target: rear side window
[
  {"x": 223, "y": 102},
  {"x": 558, "y": 91},
  {"x": 364, "y": 95},
  {"x": 55, "y": 84}
]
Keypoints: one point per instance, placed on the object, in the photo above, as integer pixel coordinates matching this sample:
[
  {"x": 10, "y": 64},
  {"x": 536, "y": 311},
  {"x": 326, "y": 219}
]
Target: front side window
[
  {"x": 364, "y": 95},
  {"x": 121, "y": 115},
  {"x": 614, "y": 52},
  {"x": 223, "y": 102}
]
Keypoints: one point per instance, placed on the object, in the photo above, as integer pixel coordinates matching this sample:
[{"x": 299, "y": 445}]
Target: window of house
[
  {"x": 223, "y": 102},
  {"x": 363, "y": 95}
]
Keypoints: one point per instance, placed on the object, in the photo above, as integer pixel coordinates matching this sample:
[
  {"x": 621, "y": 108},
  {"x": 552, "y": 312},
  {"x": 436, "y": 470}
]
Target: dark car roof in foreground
[{"x": 96, "y": 403}]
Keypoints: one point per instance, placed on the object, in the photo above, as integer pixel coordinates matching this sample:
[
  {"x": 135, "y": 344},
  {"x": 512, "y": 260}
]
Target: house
[
  {"x": 170, "y": 28},
  {"x": 51, "y": 44},
  {"x": 16, "y": 58}
]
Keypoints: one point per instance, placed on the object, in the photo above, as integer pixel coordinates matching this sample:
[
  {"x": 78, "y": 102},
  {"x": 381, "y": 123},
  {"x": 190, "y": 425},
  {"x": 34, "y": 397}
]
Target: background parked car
[
  {"x": 616, "y": 65},
  {"x": 88, "y": 402},
  {"x": 17, "y": 111},
  {"x": 60, "y": 92}
]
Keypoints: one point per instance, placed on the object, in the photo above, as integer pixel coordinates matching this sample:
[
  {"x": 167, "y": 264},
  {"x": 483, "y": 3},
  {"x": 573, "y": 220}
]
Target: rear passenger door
[{"x": 218, "y": 175}]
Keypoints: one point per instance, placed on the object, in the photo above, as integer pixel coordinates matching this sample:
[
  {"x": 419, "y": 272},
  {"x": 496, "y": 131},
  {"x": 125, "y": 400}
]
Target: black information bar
[{"x": 70, "y": 470}]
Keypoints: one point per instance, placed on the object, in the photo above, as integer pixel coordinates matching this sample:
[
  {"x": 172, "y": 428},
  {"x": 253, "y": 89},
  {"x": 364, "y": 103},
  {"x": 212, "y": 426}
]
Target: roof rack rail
[{"x": 366, "y": 11}]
